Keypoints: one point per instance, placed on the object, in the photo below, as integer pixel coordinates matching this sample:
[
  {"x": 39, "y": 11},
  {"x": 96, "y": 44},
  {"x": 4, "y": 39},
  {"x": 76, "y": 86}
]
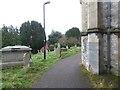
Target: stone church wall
[{"x": 94, "y": 40}]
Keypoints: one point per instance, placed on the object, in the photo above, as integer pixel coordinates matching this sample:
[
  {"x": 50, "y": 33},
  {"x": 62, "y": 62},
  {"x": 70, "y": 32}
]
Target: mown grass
[
  {"x": 16, "y": 77},
  {"x": 101, "y": 81}
]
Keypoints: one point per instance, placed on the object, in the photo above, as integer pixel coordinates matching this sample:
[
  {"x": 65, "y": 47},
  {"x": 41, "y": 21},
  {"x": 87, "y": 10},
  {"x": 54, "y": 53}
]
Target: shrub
[
  {"x": 51, "y": 47},
  {"x": 63, "y": 45},
  {"x": 70, "y": 44}
]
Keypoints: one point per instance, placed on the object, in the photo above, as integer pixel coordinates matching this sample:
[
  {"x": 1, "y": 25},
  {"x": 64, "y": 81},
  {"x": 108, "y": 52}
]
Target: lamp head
[{"x": 47, "y": 2}]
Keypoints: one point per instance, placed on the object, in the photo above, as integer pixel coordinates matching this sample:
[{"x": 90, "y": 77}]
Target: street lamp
[{"x": 44, "y": 28}]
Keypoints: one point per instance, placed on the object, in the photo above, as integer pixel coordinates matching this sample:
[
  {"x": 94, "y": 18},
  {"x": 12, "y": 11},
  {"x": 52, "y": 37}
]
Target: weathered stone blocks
[
  {"x": 94, "y": 42},
  {"x": 93, "y": 52}
]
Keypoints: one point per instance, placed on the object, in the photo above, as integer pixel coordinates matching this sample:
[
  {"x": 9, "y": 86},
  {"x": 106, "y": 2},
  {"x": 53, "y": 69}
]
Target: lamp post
[{"x": 44, "y": 28}]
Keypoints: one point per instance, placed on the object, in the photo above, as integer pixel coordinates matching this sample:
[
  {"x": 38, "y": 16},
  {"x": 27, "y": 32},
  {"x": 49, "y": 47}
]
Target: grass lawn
[
  {"x": 16, "y": 77},
  {"x": 102, "y": 81}
]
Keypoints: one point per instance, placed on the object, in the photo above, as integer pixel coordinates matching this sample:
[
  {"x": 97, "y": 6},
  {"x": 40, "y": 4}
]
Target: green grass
[
  {"x": 70, "y": 52},
  {"x": 16, "y": 77},
  {"x": 101, "y": 81}
]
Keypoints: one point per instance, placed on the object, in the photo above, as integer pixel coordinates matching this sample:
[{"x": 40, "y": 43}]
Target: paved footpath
[{"x": 65, "y": 74}]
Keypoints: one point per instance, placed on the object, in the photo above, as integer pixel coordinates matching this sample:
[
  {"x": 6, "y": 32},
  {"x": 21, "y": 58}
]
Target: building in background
[{"x": 94, "y": 36}]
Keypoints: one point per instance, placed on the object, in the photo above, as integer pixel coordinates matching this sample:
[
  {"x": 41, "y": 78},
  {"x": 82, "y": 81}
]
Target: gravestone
[
  {"x": 58, "y": 50},
  {"x": 26, "y": 59},
  {"x": 67, "y": 47},
  {"x": 13, "y": 55}
]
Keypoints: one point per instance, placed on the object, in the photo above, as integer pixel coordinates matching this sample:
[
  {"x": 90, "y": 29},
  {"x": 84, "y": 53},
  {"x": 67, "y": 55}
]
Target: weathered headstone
[
  {"x": 26, "y": 59},
  {"x": 58, "y": 50},
  {"x": 66, "y": 47},
  {"x": 75, "y": 45}
]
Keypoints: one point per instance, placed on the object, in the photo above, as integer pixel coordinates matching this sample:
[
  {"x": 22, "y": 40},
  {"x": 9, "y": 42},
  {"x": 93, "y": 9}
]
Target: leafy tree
[
  {"x": 32, "y": 34},
  {"x": 54, "y": 37},
  {"x": 63, "y": 39},
  {"x": 25, "y": 33},
  {"x": 71, "y": 37},
  {"x": 68, "y": 41},
  {"x": 73, "y": 32},
  {"x": 10, "y": 36}
]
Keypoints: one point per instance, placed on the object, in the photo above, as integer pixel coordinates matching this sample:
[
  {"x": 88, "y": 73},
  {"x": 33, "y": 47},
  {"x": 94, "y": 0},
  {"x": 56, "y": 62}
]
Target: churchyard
[{"x": 18, "y": 77}]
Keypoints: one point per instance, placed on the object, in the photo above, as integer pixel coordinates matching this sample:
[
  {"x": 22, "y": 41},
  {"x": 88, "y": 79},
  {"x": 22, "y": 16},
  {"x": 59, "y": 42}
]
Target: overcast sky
[{"x": 61, "y": 15}]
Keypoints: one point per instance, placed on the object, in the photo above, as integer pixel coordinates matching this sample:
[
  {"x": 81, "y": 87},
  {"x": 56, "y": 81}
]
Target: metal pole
[
  {"x": 108, "y": 35},
  {"x": 44, "y": 29},
  {"x": 44, "y": 32}
]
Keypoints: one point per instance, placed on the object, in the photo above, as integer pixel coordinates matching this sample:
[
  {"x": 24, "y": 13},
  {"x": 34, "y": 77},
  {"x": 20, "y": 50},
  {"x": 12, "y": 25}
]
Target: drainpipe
[{"x": 108, "y": 36}]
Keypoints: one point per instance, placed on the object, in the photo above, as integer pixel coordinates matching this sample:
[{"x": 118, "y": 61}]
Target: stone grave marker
[{"x": 13, "y": 55}]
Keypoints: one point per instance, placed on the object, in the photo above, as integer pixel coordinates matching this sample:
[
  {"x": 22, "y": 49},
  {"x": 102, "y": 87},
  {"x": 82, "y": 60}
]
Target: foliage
[
  {"x": 73, "y": 32},
  {"x": 54, "y": 37},
  {"x": 16, "y": 77},
  {"x": 71, "y": 37},
  {"x": 51, "y": 47},
  {"x": 101, "y": 81},
  {"x": 63, "y": 39},
  {"x": 70, "y": 52},
  {"x": 32, "y": 34},
  {"x": 10, "y": 36},
  {"x": 71, "y": 41},
  {"x": 69, "y": 44},
  {"x": 63, "y": 45}
]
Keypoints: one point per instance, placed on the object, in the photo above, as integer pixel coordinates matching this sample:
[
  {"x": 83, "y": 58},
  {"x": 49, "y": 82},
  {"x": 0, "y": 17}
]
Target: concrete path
[{"x": 65, "y": 74}]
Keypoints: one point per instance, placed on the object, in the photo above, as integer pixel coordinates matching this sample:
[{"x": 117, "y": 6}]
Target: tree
[
  {"x": 54, "y": 37},
  {"x": 73, "y": 32},
  {"x": 32, "y": 34},
  {"x": 63, "y": 39},
  {"x": 25, "y": 33},
  {"x": 68, "y": 41},
  {"x": 73, "y": 37},
  {"x": 10, "y": 36}
]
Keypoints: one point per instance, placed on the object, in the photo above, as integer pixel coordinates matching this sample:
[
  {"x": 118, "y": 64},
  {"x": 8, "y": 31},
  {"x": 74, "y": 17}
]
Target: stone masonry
[{"x": 94, "y": 36}]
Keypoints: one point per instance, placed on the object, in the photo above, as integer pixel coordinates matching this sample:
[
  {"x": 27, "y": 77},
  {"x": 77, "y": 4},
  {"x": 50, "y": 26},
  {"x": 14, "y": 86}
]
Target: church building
[{"x": 100, "y": 36}]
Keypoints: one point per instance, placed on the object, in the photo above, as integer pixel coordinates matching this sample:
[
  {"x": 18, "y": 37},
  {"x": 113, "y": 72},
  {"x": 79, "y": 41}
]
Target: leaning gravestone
[{"x": 26, "y": 59}]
